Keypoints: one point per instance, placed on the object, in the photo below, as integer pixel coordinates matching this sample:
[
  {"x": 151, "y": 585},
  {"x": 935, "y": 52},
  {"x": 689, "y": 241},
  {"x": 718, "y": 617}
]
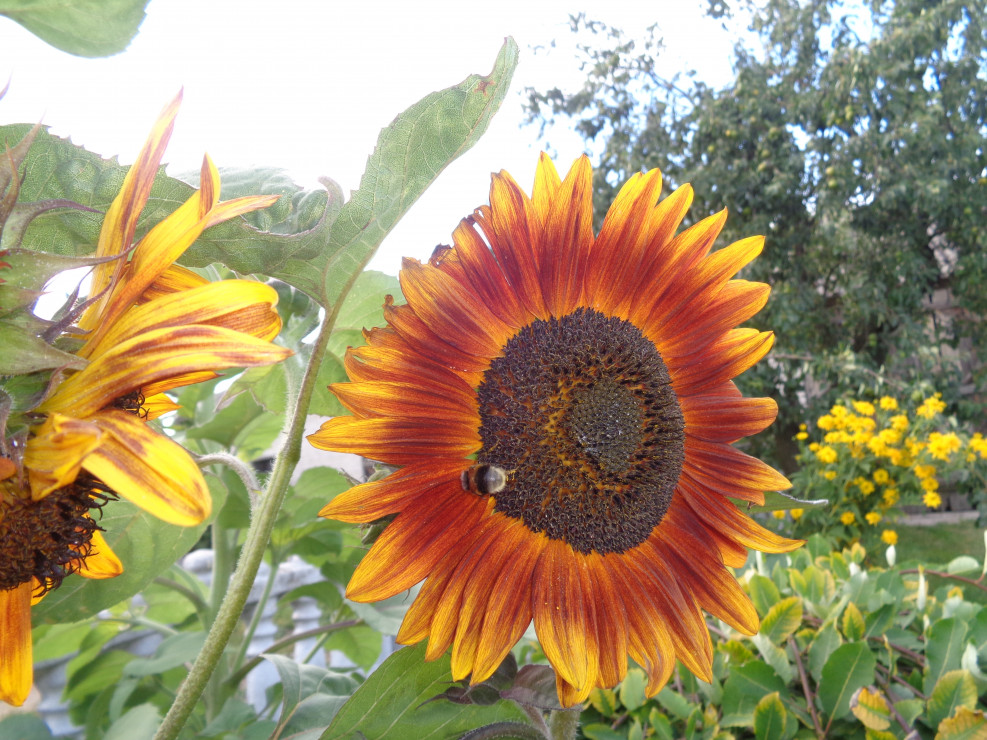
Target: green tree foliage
[{"x": 853, "y": 138}]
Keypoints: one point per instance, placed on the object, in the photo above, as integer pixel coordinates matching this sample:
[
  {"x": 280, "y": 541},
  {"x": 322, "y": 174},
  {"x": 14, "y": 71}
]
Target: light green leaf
[
  {"x": 944, "y": 650},
  {"x": 632, "y": 689},
  {"x": 139, "y": 723},
  {"x": 764, "y": 593},
  {"x": 849, "y": 668},
  {"x": 393, "y": 703},
  {"x": 146, "y": 546},
  {"x": 782, "y": 619},
  {"x": 86, "y": 28},
  {"x": 955, "y": 689},
  {"x": 770, "y": 718},
  {"x": 744, "y": 688},
  {"x": 853, "y": 622}
]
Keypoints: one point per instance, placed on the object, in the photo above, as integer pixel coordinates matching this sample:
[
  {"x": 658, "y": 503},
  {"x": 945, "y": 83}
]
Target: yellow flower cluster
[{"x": 889, "y": 446}]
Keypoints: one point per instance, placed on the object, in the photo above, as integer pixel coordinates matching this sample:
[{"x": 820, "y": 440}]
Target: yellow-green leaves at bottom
[
  {"x": 871, "y": 708},
  {"x": 966, "y": 725},
  {"x": 956, "y": 689},
  {"x": 770, "y": 718}
]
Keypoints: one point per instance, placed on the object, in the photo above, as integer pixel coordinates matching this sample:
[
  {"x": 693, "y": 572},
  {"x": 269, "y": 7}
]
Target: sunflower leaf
[
  {"x": 128, "y": 531},
  {"x": 86, "y": 28},
  {"x": 391, "y": 703}
]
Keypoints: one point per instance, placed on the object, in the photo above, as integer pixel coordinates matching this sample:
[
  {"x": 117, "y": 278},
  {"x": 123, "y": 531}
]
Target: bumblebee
[{"x": 483, "y": 479}]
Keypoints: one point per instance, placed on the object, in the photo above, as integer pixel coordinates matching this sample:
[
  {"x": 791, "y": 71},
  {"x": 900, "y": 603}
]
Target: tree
[{"x": 854, "y": 140}]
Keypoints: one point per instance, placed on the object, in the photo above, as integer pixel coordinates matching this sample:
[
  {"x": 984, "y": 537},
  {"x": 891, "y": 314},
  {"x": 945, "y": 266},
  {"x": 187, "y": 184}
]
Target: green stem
[
  {"x": 563, "y": 724},
  {"x": 261, "y": 525}
]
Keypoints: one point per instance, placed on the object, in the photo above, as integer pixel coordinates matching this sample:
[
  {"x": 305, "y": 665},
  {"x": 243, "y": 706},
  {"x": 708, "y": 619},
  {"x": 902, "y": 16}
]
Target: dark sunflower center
[
  {"x": 46, "y": 539},
  {"x": 581, "y": 413}
]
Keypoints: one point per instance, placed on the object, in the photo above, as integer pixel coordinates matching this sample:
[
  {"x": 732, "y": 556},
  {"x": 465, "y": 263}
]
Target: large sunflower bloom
[
  {"x": 563, "y": 410},
  {"x": 152, "y": 327}
]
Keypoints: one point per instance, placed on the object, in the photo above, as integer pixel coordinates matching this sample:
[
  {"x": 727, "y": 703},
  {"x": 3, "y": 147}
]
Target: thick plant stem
[
  {"x": 563, "y": 724},
  {"x": 258, "y": 535}
]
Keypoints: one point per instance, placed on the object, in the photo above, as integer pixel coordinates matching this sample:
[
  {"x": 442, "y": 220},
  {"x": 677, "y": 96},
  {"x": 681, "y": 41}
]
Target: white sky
[{"x": 307, "y": 85}]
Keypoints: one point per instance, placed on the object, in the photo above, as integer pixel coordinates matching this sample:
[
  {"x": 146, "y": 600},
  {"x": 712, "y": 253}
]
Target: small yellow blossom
[
  {"x": 829, "y": 474},
  {"x": 899, "y": 422},
  {"x": 847, "y": 518},
  {"x": 978, "y": 444},
  {"x": 889, "y": 436},
  {"x": 872, "y": 517},
  {"x": 932, "y": 499},
  {"x": 930, "y": 484},
  {"x": 801, "y": 436},
  {"x": 941, "y": 446},
  {"x": 888, "y": 403},
  {"x": 797, "y": 513},
  {"x": 881, "y": 476},
  {"x": 863, "y": 407},
  {"x": 924, "y": 471},
  {"x": 826, "y": 423},
  {"x": 778, "y": 514},
  {"x": 890, "y": 496},
  {"x": 931, "y": 406},
  {"x": 839, "y": 411},
  {"x": 866, "y": 487},
  {"x": 889, "y": 537},
  {"x": 826, "y": 455}
]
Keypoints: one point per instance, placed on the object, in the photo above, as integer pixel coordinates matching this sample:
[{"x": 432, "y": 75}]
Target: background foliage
[{"x": 852, "y": 136}]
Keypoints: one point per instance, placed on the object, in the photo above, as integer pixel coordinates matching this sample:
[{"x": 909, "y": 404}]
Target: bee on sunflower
[{"x": 596, "y": 373}]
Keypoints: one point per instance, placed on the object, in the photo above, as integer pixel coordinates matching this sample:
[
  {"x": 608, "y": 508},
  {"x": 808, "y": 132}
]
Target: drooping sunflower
[
  {"x": 151, "y": 326},
  {"x": 562, "y": 410}
]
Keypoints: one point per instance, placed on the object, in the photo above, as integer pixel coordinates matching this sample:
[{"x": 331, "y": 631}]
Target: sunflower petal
[
  {"x": 149, "y": 470},
  {"x": 16, "y": 667},
  {"x": 101, "y": 562}
]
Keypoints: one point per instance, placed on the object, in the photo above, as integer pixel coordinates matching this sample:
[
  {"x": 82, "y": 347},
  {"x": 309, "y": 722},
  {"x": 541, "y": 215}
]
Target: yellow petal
[
  {"x": 155, "y": 356},
  {"x": 120, "y": 221},
  {"x": 55, "y": 454},
  {"x": 16, "y": 671},
  {"x": 243, "y": 305},
  {"x": 101, "y": 562},
  {"x": 149, "y": 470}
]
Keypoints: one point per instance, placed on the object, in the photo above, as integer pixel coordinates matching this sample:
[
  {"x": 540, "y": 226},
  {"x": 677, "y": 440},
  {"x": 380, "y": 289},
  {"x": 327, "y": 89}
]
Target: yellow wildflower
[
  {"x": 888, "y": 403},
  {"x": 899, "y": 422},
  {"x": 932, "y": 499},
  {"x": 890, "y": 496},
  {"x": 829, "y": 474},
  {"x": 889, "y": 537},
  {"x": 941, "y": 446},
  {"x": 797, "y": 513},
  {"x": 872, "y": 517},
  {"x": 847, "y": 518},
  {"x": 863, "y": 407},
  {"x": 826, "y": 455},
  {"x": 930, "y": 484},
  {"x": 931, "y": 406}
]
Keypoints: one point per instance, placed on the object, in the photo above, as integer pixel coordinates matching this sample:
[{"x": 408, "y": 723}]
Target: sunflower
[
  {"x": 152, "y": 326},
  {"x": 562, "y": 410}
]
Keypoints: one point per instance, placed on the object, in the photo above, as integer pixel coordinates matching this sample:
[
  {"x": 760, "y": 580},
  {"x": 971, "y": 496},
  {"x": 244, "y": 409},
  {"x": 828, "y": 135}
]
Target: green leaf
[
  {"x": 782, "y": 619},
  {"x": 24, "y": 727},
  {"x": 770, "y": 718},
  {"x": 173, "y": 652},
  {"x": 130, "y": 533},
  {"x": 632, "y": 689},
  {"x": 597, "y": 731},
  {"x": 139, "y": 723},
  {"x": 86, "y": 28},
  {"x": 955, "y": 689},
  {"x": 853, "y": 623},
  {"x": 823, "y": 645},
  {"x": 764, "y": 593},
  {"x": 22, "y": 352},
  {"x": 947, "y": 638},
  {"x": 849, "y": 668},
  {"x": 744, "y": 688},
  {"x": 393, "y": 703},
  {"x": 360, "y": 643}
]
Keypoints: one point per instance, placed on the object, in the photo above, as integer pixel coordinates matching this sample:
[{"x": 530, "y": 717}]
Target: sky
[{"x": 306, "y": 85}]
